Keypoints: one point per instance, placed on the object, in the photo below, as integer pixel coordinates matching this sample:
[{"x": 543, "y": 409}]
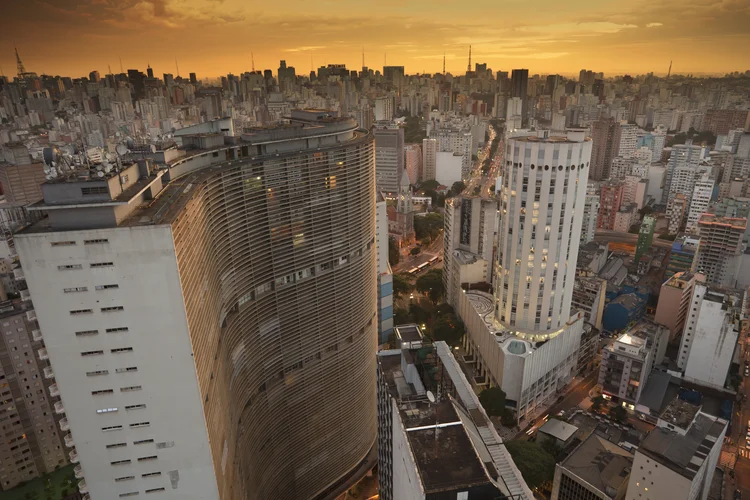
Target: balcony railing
[
  {"x": 54, "y": 391},
  {"x": 36, "y": 335},
  {"x": 78, "y": 471},
  {"x": 31, "y": 315},
  {"x": 73, "y": 456},
  {"x": 25, "y": 295},
  {"x": 69, "y": 440},
  {"x": 82, "y": 487},
  {"x": 43, "y": 353},
  {"x": 59, "y": 408},
  {"x": 48, "y": 373},
  {"x": 64, "y": 425}
]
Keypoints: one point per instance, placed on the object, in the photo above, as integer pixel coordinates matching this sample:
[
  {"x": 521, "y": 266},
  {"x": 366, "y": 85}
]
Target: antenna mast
[
  {"x": 252, "y": 60},
  {"x": 443, "y": 62},
  {"x": 19, "y": 64},
  {"x": 121, "y": 70},
  {"x": 670, "y": 70},
  {"x": 468, "y": 67},
  {"x": 363, "y": 58}
]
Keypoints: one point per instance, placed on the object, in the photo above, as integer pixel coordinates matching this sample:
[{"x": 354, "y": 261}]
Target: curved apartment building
[{"x": 226, "y": 319}]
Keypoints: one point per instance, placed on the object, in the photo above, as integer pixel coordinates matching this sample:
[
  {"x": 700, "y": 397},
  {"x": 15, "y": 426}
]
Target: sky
[{"x": 216, "y": 37}]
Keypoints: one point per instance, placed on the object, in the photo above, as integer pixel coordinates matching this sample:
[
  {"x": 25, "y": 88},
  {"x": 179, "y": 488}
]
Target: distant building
[
  {"x": 21, "y": 178},
  {"x": 610, "y": 200},
  {"x": 589, "y": 293},
  {"x": 448, "y": 448},
  {"x": 645, "y": 236},
  {"x": 675, "y": 298},
  {"x": 389, "y": 158},
  {"x": 720, "y": 249},
  {"x": 721, "y": 121},
  {"x": 678, "y": 458},
  {"x": 596, "y": 470},
  {"x": 682, "y": 255},
  {"x": 710, "y": 335},
  {"x": 604, "y": 148},
  {"x": 590, "y": 214},
  {"x": 676, "y": 210},
  {"x": 413, "y": 162},
  {"x": 699, "y": 202},
  {"x": 429, "y": 159}
]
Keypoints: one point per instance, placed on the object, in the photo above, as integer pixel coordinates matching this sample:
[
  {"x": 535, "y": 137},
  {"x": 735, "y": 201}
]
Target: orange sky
[{"x": 213, "y": 37}]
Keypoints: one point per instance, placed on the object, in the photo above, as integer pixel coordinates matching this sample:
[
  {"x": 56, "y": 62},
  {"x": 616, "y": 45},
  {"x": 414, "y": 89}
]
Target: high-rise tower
[{"x": 211, "y": 324}]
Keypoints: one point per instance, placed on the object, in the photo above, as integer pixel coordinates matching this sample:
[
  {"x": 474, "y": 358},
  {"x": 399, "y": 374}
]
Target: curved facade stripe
[{"x": 276, "y": 256}]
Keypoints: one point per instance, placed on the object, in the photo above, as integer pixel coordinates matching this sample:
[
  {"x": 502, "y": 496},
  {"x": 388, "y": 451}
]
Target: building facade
[
  {"x": 610, "y": 200},
  {"x": 720, "y": 248},
  {"x": 389, "y": 158}
]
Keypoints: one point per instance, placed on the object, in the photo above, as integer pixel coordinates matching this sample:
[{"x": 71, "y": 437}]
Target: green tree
[
  {"x": 620, "y": 414},
  {"x": 393, "y": 254},
  {"x": 536, "y": 465},
  {"x": 432, "y": 283},
  {"x": 401, "y": 285},
  {"x": 508, "y": 419},
  {"x": 428, "y": 225},
  {"x": 493, "y": 401},
  {"x": 401, "y": 316},
  {"x": 551, "y": 447},
  {"x": 457, "y": 187},
  {"x": 449, "y": 329},
  {"x": 418, "y": 314},
  {"x": 597, "y": 403},
  {"x": 415, "y": 251},
  {"x": 429, "y": 184}
]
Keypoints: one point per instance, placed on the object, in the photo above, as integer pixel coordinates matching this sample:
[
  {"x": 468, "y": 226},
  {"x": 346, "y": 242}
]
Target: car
[{"x": 561, "y": 413}]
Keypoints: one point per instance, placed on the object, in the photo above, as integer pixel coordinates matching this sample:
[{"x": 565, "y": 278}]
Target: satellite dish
[
  {"x": 431, "y": 396},
  {"x": 121, "y": 149},
  {"x": 100, "y": 173}
]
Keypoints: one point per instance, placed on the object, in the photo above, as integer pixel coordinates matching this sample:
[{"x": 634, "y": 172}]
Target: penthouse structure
[{"x": 231, "y": 290}]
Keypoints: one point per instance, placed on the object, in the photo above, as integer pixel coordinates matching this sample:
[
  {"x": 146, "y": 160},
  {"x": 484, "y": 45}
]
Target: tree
[
  {"x": 449, "y": 329},
  {"x": 551, "y": 447},
  {"x": 418, "y": 314},
  {"x": 432, "y": 283},
  {"x": 620, "y": 414},
  {"x": 401, "y": 316},
  {"x": 401, "y": 285},
  {"x": 536, "y": 465},
  {"x": 508, "y": 419},
  {"x": 429, "y": 184},
  {"x": 597, "y": 403},
  {"x": 493, "y": 401},
  {"x": 393, "y": 254},
  {"x": 457, "y": 187},
  {"x": 428, "y": 225},
  {"x": 415, "y": 251}
]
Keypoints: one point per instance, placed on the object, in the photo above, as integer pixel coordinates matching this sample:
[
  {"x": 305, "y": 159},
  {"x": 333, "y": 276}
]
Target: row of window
[
  {"x": 129, "y": 407},
  {"x": 122, "y": 389},
  {"x": 114, "y": 351},
  {"x": 127, "y": 461},
  {"x": 76, "y": 312},
  {"x": 86, "y": 289},
  {"x": 71, "y": 267},
  {"x": 135, "y": 493},
  {"x": 121, "y": 445},
  {"x": 119, "y": 427},
  {"x": 128, "y": 478},
  {"x": 73, "y": 243}
]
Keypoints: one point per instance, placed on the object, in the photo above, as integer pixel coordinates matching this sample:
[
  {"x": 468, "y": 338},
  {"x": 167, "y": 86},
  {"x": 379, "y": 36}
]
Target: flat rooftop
[
  {"x": 600, "y": 463},
  {"x": 680, "y": 413},
  {"x": 408, "y": 333},
  {"x": 558, "y": 429}
]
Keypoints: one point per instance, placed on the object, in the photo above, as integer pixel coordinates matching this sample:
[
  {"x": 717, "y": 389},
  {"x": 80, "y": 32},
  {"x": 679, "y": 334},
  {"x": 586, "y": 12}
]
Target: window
[
  {"x": 106, "y": 287},
  {"x": 124, "y": 478},
  {"x": 152, "y": 457},
  {"x": 131, "y": 388},
  {"x": 135, "y": 407},
  {"x": 63, "y": 243},
  {"x": 140, "y": 424},
  {"x": 121, "y": 349},
  {"x": 151, "y": 474},
  {"x": 76, "y": 289},
  {"x": 68, "y": 267},
  {"x": 116, "y": 445},
  {"x": 102, "y": 391},
  {"x": 130, "y": 494},
  {"x": 84, "y": 333},
  {"x": 102, "y": 264},
  {"x": 106, "y": 410},
  {"x": 112, "y": 428},
  {"x": 80, "y": 311},
  {"x": 89, "y": 191},
  {"x": 94, "y": 242},
  {"x": 91, "y": 353},
  {"x": 120, "y": 462},
  {"x": 154, "y": 490},
  {"x": 97, "y": 372},
  {"x": 115, "y": 330},
  {"x": 127, "y": 369},
  {"x": 114, "y": 308},
  {"x": 143, "y": 441}
]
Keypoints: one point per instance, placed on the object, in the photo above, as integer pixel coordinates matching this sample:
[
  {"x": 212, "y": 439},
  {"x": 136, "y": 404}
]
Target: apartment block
[
  {"x": 675, "y": 298},
  {"x": 720, "y": 249}
]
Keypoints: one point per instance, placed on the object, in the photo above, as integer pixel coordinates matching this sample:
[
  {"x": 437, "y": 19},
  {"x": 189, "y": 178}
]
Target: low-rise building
[
  {"x": 558, "y": 432},
  {"x": 674, "y": 301},
  {"x": 682, "y": 254}
]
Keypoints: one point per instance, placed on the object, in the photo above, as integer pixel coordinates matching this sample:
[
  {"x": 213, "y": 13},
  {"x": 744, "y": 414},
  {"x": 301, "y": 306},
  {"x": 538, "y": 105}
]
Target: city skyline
[{"x": 215, "y": 37}]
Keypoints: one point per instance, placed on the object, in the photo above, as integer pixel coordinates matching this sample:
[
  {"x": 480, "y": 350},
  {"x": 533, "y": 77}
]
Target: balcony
[
  {"x": 78, "y": 471},
  {"x": 43, "y": 353},
  {"x": 54, "y": 391},
  {"x": 18, "y": 274},
  {"x": 64, "y": 425},
  {"x": 36, "y": 335},
  {"x": 48, "y": 373},
  {"x": 69, "y": 440},
  {"x": 25, "y": 295},
  {"x": 73, "y": 456},
  {"x": 31, "y": 315},
  {"x": 82, "y": 487},
  {"x": 59, "y": 408}
]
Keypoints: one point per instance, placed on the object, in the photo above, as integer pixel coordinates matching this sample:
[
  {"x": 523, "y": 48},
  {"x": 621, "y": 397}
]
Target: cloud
[
  {"x": 653, "y": 25},
  {"x": 306, "y": 48}
]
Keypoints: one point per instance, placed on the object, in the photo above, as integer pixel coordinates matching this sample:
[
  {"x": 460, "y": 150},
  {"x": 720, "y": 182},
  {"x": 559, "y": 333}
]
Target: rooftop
[
  {"x": 558, "y": 429},
  {"x": 600, "y": 463},
  {"x": 739, "y": 223},
  {"x": 680, "y": 413}
]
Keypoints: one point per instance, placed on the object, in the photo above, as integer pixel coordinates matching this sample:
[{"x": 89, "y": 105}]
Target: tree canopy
[
  {"x": 536, "y": 465},
  {"x": 432, "y": 283},
  {"x": 493, "y": 401},
  {"x": 401, "y": 285},
  {"x": 448, "y": 328},
  {"x": 393, "y": 253},
  {"x": 428, "y": 225},
  {"x": 620, "y": 414},
  {"x": 457, "y": 187},
  {"x": 429, "y": 184}
]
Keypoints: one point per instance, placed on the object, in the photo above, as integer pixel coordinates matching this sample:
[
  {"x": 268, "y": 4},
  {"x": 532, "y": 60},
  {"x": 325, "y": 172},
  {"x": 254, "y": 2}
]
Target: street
[
  {"x": 605, "y": 235},
  {"x": 738, "y": 442},
  {"x": 435, "y": 249}
]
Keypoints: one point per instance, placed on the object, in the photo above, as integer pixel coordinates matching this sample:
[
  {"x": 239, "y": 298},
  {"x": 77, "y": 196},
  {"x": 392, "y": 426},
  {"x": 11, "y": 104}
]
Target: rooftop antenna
[
  {"x": 109, "y": 68},
  {"x": 19, "y": 64},
  {"x": 121, "y": 70},
  {"x": 252, "y": 60},
  {"x": 669, "y": 72},
  {"x": 385, "y": 59},
  {"x": 468, "y": 67},
  {"x": 443, "y": 62},
  {"x": 363, "y": 58},
  {"x": 177, "y": 66}
]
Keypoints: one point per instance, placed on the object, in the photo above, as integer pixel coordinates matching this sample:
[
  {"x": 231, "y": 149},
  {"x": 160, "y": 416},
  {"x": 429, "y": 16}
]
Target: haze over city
[{"x": 214, "y": 37}]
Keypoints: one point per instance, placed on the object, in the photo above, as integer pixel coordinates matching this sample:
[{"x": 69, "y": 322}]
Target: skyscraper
[
  {"x": 603, "y": 137},
  {"x": 211, "y": 325},
  {"x": 519, "y": 84},
  {"x": 429, "y": 159},
  {"x": 389, "y": 158},
  {"x": 720, "y": 249}
]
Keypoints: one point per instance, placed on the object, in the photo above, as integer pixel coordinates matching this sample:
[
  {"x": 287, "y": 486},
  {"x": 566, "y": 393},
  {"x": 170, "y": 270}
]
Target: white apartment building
[
  {"x": 526, "y": 339},
  {"x": 678, "y": 458},
  {"x": 699, "y": 203},
  {"x": 628, "y": 139},
  {"x": 588, "y": 223},
  {"x": 710, "y": 335},
  {"x": 384, "y": 108}
]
